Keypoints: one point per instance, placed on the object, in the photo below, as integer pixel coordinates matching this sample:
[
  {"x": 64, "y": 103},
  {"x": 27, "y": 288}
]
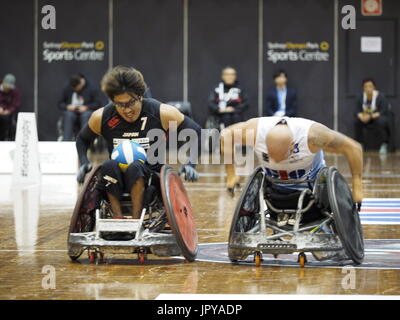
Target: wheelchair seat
[
  {"x": 288, "y": 200},
  {"x": 281, "y": 200},
  {"x": 152, "y": 190}
]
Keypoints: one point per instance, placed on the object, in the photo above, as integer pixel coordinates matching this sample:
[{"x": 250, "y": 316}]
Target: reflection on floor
[{"x": 33, "y": 233}]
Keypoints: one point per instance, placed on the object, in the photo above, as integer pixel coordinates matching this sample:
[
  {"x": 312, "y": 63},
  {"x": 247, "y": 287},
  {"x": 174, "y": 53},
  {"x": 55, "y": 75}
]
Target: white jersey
[{"x": 302, "y": 164}]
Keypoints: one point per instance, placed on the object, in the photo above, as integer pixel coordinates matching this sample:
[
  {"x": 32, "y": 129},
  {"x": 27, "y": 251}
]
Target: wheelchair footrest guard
[
  {"x": 118, "y": 225},
  {"x": 161, "y": 244},
  {"x": 300, "y": 242}
]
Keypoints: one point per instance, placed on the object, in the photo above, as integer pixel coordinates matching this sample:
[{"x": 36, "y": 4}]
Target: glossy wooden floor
[{"x": 121, "y": 277}]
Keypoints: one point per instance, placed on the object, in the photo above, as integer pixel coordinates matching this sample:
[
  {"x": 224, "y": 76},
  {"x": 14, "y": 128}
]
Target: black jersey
[{"x": 115, "y": 129}]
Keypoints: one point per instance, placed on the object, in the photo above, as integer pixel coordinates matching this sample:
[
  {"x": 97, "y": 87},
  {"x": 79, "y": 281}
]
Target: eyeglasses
[{"x": 126, "y": 105}]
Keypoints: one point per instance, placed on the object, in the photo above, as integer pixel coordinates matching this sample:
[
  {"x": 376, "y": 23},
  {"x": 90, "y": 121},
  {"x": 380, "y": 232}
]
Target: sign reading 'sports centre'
[
  {"x": 291, "y": 51},
  {"x": 73, "y": 41},
  {"x": 73, "y": 51}
]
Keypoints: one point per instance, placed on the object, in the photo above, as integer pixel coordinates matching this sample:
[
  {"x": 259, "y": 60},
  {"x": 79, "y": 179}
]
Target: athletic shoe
[
  {"x": 292, "y": 219},
  {"x": 282, "y": 219}
]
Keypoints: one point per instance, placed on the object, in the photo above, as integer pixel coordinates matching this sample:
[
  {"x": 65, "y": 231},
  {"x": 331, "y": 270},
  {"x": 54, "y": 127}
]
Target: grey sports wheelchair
[{"x": 326, "y": 220}]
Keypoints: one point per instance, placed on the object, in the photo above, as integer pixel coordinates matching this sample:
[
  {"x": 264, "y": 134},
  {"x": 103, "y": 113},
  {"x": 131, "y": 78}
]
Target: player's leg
[
  {"x": 137, "y": 192},
  {"x": 136, "y": 177},
  {"x": 115, "y": 205},
  {"x": 69, "y": 119},
  {"x": 111, "y": 185},
  {"x": 381, "y": 125}
]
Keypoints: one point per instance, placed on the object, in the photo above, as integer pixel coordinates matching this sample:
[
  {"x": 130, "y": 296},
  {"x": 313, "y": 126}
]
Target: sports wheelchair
[
  {"x": 166, "y": 226},
  {"x": 334, "y": 233}
]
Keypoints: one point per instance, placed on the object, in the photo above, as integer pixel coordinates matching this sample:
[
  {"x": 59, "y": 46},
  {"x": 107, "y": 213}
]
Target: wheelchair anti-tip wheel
[
  {"x": 258, "y": 258},
  {"x": 302, "y": 259}
]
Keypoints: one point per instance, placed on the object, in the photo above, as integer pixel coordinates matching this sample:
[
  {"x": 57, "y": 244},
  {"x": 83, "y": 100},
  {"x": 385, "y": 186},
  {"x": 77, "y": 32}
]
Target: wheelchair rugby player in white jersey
[{"x": 293, "y": 194}]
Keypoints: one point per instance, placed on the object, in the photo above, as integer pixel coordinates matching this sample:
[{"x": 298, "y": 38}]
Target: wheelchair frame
[
  {"x": 263, "y": 235},
  {"x": 150, "y": 234}
]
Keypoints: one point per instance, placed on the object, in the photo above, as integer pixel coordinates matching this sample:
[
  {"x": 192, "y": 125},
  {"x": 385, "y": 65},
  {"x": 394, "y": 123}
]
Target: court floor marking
[
  {"x": 314, "y": 264},
  {"x": 365, "y": 266},
  {"x": 32, "y": 250},
  {"x": 380, "y": 251},
  {"x": 205, "y": 188},
  {"x": 377, "y": 205},
  {"x": 235, "y": 297},
  {"x": 373, "y": 222},
  {"x": 370, "y": 175},
  {"x": 210, "y": 243},
  {"x": 380, "y": 211},
  {"x": 223, "y": 189},
  {"x": 251, "y": 264}
]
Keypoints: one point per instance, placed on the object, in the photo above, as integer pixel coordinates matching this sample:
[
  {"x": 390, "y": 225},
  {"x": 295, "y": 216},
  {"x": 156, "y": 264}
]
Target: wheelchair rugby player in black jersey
[{"x": 129, "y": 114}]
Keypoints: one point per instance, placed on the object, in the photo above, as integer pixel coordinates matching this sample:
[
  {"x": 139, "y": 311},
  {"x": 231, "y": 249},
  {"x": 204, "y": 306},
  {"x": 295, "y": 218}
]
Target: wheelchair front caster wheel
[
  {"x": 302, "y": 259},
  {"x": 258, "y": 258},
  {"x": 92, "y": 257}
]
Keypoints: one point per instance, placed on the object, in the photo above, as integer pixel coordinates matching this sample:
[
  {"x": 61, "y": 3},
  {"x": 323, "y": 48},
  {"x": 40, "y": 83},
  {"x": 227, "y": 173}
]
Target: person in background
[
  {"x": 372, "y": 125},
  {"x": 280, "y": 100},
  {"x": 228, "y": 101},
  {"x": 79, "y": 99},
  {"x": 10, "y": 100}
]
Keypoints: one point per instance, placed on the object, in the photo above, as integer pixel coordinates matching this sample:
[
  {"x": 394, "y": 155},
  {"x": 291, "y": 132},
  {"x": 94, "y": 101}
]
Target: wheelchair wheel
[
  {"x": 245, "y": 216},
  {"x": 83, "y": 217},
  {"x": 346, "y": 218},
  {"x": 179, "y": 212},
  {"x": 321, "y": 189}
]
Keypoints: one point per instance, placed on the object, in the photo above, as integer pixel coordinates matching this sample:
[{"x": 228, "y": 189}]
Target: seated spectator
[
  {"x": 372, "y": 129},
  {"x": 228, "y": 101},
  {"x": 79, "y": 99},
  {"x": 10, "y": 100},
  {"x": 280, "y": 100}
]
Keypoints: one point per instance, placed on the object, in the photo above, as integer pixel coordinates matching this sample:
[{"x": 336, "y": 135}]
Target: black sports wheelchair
[
  {"x": 166, "y": 226},
  {"x": 325, "y": 220}
]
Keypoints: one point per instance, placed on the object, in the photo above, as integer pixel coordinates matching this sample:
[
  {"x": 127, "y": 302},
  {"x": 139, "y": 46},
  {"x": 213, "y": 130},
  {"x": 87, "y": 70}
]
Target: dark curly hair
[
  {"x": 120, "y": 79},
  {"x": 369, "y": 80}
]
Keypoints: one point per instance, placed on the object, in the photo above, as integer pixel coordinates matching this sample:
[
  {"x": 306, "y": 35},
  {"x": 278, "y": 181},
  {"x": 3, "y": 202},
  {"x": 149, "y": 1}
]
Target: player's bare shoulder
[
  {"x": 95, "y": 121},
  {"x": 169, "y": 113}
]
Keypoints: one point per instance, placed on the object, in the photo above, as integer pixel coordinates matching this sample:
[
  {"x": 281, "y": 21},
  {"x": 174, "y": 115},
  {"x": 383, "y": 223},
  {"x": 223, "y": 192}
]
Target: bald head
[{"x": 279, "y": 142}]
